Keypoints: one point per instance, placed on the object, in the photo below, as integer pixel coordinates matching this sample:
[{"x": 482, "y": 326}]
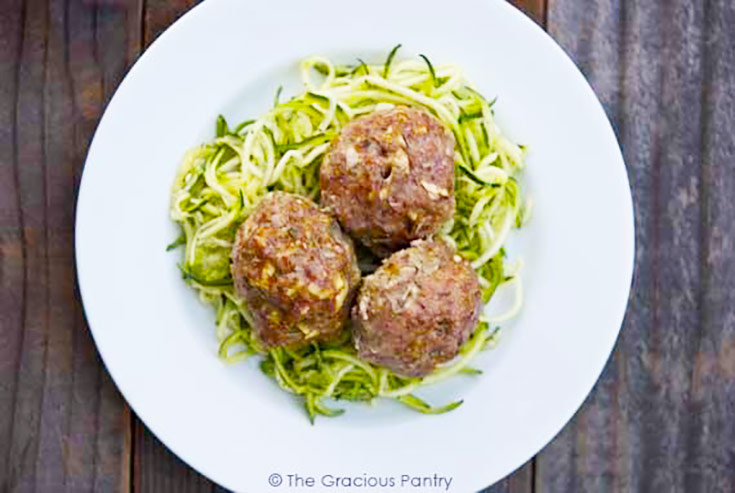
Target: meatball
[
  {"x": 389, "y": 178},
  {"x": 417, "y": 309},
  {"x": 296, "y": 270}
]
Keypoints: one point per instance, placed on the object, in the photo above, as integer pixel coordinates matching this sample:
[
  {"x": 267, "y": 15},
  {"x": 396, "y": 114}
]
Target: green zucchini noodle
[{"x": 220, "y": 182}]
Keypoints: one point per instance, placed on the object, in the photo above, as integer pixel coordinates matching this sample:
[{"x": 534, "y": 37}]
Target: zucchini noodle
[{"x": 220, "y": 182}]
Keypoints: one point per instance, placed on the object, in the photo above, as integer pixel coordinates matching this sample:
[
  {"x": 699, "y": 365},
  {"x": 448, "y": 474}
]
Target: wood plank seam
[
  {"x": 45, "y": 226},
  {"x": 704, "y": 246},
  {"x": 10, "y": 480}
]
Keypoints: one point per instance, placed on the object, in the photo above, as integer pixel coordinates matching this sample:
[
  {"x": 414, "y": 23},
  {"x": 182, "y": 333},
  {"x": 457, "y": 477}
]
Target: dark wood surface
[
  {"x": 662, "y": 416},
  {"x": 63, "y": 425}
]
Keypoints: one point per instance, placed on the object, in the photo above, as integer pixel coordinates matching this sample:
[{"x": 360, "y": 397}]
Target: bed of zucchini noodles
[{"x": 218, "y": 183}]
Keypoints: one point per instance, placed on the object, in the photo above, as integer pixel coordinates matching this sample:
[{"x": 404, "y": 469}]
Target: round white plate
[{"x": 231, "y": 422}]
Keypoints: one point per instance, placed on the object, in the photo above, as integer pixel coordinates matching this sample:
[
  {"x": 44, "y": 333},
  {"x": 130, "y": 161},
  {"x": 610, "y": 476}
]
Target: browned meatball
[
  {"x": 389, "y": 178},
  {"x": 417, "y": 309},
  {"x": 296, "y": 270}
]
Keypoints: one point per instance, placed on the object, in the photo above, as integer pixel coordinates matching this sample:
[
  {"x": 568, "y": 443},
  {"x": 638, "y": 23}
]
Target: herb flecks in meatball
[
  {"x": 417, "y": 309},
  {"x": 389, "y": 178},
  {"x": 296, "y": 269}
]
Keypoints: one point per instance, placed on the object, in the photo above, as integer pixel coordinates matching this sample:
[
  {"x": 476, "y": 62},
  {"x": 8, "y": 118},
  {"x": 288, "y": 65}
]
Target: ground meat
[
  {"x": 417, "y": 309},
  {"x": 389, "y": 178},
  {"x": 296, "y": 269}
]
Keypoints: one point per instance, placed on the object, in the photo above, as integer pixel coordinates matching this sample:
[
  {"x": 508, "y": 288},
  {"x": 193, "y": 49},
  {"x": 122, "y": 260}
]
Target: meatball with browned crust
[
  {"x": 296, "y": 269},
  {"x": 417, "y": 309},
  {"x": 389, "y": 178}
]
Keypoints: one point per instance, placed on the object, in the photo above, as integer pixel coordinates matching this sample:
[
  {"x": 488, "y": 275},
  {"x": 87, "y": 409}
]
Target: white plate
[{"x": 231, "y": 422}]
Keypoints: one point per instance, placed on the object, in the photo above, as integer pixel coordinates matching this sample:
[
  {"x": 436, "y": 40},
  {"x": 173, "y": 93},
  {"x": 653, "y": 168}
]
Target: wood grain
[
  {"x": 535, "y": 9},
  {"x": 660, "y": 418},
  {"x": 12, "y": 253},
  {"x": 520, "y": 481},
  {"x": 158, "y": 470},
  {"x": 159, "y": 14},
  {"x": 63, "y": 425}
]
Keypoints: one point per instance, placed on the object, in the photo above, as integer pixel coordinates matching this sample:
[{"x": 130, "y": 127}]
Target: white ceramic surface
[{"x": 231, "y": 422}]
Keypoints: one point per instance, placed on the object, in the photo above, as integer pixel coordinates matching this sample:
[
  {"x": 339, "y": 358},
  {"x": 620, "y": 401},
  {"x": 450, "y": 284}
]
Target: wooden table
[{"x": 661, "y": 418}]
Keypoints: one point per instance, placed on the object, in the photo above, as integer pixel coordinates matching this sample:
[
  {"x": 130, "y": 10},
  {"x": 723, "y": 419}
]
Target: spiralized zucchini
[{"x": 220, "y": 182}]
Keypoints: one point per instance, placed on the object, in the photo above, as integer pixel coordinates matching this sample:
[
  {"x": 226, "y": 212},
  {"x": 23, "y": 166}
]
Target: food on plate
[
  {"x": 389, "y": 177},
  {"x": 281, "y": 276},
  {"x": 417, "y": 309},
  {"x": 296, "y": 270}
]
